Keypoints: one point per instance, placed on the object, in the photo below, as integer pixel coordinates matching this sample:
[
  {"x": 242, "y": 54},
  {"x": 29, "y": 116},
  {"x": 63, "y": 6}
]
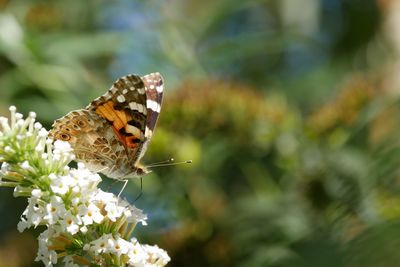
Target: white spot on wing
[
  {"x": 120, "y": 98},
  {"x": 125, "y": 91},
  {"x": 133, "y": 106},
  {"x": 140, "y": 108},
  {"x": 148, "y": 133},
  {"x": 153, "y": 105},
  {"x": 159, "y": 88},
  {"x": 133, "y": 130}
]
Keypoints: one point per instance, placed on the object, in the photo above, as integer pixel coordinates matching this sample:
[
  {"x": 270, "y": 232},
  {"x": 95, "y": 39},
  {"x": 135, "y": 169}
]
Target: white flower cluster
[
  {"x": 76, "y": 203},
  {"x": 85, "y": 225},
  {"x": 137, "y": 254}
]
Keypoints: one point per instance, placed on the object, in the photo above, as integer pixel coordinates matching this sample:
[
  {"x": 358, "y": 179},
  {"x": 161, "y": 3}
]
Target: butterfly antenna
[
  {"x": 169, "y": 162},
  {"x": 161, "y": 162}
]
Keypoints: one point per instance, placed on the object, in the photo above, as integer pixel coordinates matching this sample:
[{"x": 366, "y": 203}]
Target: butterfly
[{"x": 112, "y": 133}]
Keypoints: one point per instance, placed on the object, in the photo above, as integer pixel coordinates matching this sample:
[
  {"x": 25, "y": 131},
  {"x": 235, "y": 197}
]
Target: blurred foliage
[{"x": 283, "y": 106}]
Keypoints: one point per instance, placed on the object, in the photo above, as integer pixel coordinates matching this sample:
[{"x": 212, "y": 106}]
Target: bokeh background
[{"x": 289, "y": 109}]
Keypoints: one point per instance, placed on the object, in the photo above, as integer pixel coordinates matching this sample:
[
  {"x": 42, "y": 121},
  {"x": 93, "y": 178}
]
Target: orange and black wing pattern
[{"x": 124, "y": 107}]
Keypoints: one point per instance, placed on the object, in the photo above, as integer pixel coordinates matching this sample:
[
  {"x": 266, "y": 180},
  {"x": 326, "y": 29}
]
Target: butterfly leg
[
  {"x": 123, "y": 187},
  {"x": 141, "y": 190}
]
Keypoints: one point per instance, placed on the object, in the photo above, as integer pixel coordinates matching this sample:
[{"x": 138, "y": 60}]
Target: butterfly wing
[
  {"x": 154, "y": 86},
  {"x": 91, "y": 138}
]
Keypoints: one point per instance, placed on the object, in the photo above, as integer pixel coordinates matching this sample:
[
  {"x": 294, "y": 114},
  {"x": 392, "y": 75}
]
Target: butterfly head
[{"x": 141, "y": 171}]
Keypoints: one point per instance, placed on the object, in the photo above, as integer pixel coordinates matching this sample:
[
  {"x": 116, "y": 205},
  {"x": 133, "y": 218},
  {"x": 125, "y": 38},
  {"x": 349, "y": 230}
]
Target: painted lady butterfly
[{"x": 112, "y": 133}]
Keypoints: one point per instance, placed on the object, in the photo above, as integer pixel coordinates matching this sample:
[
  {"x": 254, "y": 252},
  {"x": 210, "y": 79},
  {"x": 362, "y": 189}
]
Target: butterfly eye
[
  {"x": 65, "y": 137},
  {"x": 81, "y": 123}
]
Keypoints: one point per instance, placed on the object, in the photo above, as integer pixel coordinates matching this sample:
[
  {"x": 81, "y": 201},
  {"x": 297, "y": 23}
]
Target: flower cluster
[{"x": 84, "y": 225}]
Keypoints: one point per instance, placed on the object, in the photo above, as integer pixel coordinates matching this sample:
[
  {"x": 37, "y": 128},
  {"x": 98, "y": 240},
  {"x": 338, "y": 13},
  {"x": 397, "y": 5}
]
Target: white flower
[
  {"x": 71, "y": 223},
  {"x": 62, "y": 147},
  {"x": 54, "y": 210},
  {"x": 18, "y": 116},
  {"x": 157, "y": 256},
  {"x": 90, "y": 181},
  {"x": 37, "y": 193},
  {"x": 42, "y": 131},
  {"x": 4, "y": 124},
  {"x": 102, "y": 197},
  {"x": 119, "y": 246},
  {"x": 52, "y": 177},
  {"x": 62, "y": 185},
  {"x": 23, "y": 225},
  {"x": 76, "y": 200},
  {"x": 48, "y": 257},
  {"x": 134, "y": 215},
  {"x": 39, "y": 148},
  {"x": 59, "y": 187},
  {"x": 90, "y": 214},
  {"x": 37, "y": 126},
  {"x": 84, "y": 229},
  {"x": 100, "y": 245},
  {"x": 32, "y": 114},
  {"x": 33, "y": 214},
  {"x": 25, "y": 165},
  {"x": 113, "y": 211},
  {"x": 57, "y": 158},
  {"x": 137, "y": 255}
]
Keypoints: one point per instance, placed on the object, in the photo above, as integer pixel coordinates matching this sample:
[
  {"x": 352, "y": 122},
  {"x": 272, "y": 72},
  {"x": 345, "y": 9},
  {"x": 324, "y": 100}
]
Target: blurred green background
[{"x": 289, "y": 109}]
